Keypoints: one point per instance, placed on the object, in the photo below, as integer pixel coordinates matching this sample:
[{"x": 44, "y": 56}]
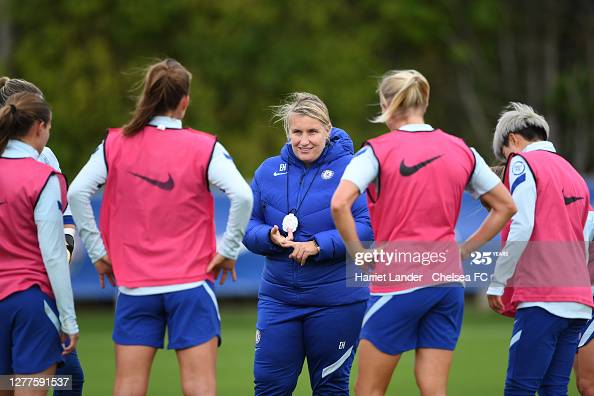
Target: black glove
[{"x": 69, "y": 246}]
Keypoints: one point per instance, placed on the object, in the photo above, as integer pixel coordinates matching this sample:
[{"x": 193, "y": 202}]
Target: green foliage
[{"x": 245, "y": 55}]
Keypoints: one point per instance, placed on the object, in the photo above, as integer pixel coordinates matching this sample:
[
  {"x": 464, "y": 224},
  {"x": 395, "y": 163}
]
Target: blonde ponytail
[{"x": 400, "y": 90}]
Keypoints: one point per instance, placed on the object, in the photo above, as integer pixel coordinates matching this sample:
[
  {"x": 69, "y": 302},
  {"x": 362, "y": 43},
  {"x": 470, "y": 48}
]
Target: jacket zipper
[{"x": 294, "y": 264}]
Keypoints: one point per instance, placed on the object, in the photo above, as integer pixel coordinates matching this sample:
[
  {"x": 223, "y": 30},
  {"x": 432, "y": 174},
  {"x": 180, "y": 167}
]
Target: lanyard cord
[{"x": 306, "y": 191}]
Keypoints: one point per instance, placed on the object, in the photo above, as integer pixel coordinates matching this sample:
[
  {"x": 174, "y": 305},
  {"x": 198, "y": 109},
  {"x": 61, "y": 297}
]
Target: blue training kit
[
  {"x": 287, "y": 334},
  {"x": 541, "y": 353},
  {"x": 191, "y": 317},
  {"x": 305, "y": 312},
  {"x": 430, "y": 317},
  {"x": 29, "y": 333}
]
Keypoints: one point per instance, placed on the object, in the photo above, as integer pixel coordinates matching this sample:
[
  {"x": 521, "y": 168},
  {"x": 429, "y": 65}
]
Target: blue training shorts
[
  {"x": 190, "y": 316},
  {"x": 29, "y": 333},
  {"x": 430, "y": 317}
]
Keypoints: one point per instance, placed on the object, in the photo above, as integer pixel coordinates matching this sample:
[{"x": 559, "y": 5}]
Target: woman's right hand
[
  {"x": 278, "y": 239},
  {"x": 73, "y": 340},
  {"x": 103, "y": 268}
]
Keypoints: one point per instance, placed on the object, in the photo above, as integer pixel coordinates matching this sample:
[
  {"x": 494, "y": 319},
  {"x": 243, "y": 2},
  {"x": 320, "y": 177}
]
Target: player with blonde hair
[{"x": 414, "y": 177}]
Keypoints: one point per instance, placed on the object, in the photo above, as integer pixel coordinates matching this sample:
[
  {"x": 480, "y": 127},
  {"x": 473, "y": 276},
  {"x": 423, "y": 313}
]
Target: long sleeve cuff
[
  {"x": 330, "y": 246},
  {"x": 495, "y": 290},
  {"x": 69, "y": 325},
  {"x": 259, "y": 242},
  {"x": 229, "y": 248},
  {"x": 97, "y": 248}
]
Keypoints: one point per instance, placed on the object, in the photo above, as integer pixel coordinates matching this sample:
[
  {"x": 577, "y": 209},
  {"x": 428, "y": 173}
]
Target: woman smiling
[{"x": 303, "y": 292}]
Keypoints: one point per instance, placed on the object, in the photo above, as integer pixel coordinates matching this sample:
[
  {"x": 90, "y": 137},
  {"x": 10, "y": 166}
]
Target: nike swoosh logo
[
  {"x": 570, "y": 200},
  {"x": 410, "y": 170},
  {"x": 163, "y": 185},
  {"x": 279, "y": 173}
]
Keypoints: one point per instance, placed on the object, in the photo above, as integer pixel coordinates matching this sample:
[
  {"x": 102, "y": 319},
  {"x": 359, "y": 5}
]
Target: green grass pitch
[{"x": 478, "y": 369}]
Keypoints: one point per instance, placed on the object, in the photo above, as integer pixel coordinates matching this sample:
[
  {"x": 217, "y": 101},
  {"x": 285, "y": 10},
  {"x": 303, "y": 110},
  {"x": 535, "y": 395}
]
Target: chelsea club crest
[{"x": 327, "y": 174}]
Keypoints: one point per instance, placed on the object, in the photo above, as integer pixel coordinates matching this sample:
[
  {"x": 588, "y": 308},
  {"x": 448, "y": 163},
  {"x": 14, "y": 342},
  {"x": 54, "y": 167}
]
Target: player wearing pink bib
[
  {"x": 140, "y": 231},
  {"x": 34, "y": 278},
  {"x": 157, "y": 228},
  {"x": 72, "y": 366},
  {"x": 584, "y": 359},
  {"x": 541, "y": 278},
  {"x": 414, "y": 176}
]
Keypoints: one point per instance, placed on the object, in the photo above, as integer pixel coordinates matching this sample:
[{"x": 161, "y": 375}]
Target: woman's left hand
[
  {"x": 302, "y": 250},
  {"x": 221, "y": 263}
]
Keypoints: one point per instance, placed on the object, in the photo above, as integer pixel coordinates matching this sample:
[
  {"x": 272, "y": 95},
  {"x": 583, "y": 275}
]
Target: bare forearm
[{"x": 494, "y": 222}]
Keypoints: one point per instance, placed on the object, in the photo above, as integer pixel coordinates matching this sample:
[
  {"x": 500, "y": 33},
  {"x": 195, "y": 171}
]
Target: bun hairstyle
[
  {"x": 18, "y": 115},
  {"x": 11, "y": 86},
  {"x": 521, "y": 119},
  {"x": 400, "y": 90},
  {"x": 164, "y": 86},
  {"x": 302, "y": 103}
]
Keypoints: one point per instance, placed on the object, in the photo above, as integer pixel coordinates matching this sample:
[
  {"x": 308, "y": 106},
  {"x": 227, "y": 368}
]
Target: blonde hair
[
  {"x": 401, "y": 90},
  {"x": 302, "y": 103},
  {"x": 518, "y": 118}
]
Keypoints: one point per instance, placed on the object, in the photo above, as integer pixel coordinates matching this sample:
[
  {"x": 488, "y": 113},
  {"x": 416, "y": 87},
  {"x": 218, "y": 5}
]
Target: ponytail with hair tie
[
  {"x": 165, "y": 85},
  {"x": 19, "y": 114},
  {"x": 400, "y": 90}
]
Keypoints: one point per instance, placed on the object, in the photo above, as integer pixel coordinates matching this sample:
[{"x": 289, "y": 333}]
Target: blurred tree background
[{"x": 245, "y": 55}]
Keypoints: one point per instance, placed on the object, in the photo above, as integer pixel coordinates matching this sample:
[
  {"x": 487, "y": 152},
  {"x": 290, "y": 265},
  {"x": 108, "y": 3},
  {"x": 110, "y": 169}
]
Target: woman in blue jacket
[{"x": 305, "y": 308}]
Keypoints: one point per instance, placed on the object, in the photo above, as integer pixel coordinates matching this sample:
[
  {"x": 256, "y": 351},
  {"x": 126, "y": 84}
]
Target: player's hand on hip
[
  {"x": 222, "y": 264},
  {"x": 73, "y": 342},
  {"x": 495, "y": 303},
  {"x": 104, "y": 268}
]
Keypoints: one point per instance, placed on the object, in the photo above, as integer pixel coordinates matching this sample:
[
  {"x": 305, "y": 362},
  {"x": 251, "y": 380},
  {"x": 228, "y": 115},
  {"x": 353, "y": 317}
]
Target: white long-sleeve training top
[
  {"x": 222, "y": 173},
  {"x": 523, "y": 190},
  {"x": 48, "y": 157},
  {"x": 50, "y": 234}
]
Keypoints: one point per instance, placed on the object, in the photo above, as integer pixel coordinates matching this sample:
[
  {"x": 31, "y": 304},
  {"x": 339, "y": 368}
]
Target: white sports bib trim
[{"x": 150, "y": 290}]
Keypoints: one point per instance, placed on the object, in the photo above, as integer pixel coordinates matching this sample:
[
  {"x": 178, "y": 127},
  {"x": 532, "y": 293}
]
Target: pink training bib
[
  {"x": 21, "y": 182},
  {"x": 420, "y": 185},
  {"x": 157, "y": 215},
  {"x": 553, "y": 266}
]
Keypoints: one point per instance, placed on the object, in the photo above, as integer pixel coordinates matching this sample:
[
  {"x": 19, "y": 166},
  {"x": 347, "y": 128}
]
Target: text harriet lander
[{"x": 435, "y": 277}]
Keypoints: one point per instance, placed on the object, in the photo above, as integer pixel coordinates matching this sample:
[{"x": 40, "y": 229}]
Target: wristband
[{"x": 69, "y": 237}]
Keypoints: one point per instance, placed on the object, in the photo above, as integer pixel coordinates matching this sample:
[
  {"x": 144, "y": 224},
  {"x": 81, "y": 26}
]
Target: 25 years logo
[
  {"x": 481, "y": 258},
  {"x": 485, "y": 258}
]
